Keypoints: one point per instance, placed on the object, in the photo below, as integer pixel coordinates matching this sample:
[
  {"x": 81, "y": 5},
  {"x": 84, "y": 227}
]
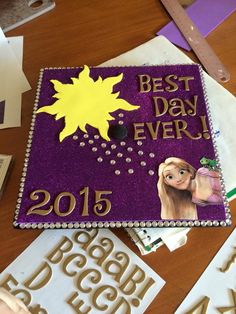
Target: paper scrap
[{"x": 176, "y": 240}]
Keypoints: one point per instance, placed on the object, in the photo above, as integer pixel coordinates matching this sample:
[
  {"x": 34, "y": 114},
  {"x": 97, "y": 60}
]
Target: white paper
[
  {"x": 16, "y": 44},
  {"x": 14, "y": 73},
  {"x": 5, "y": 161},
  {"x": 76, "y": 256},
  {"x": 176, "y": 240},
  {"x": 214, "y": 283},
  {"x": 173, "y": 238},
  {"x": 12, "y": 79}
]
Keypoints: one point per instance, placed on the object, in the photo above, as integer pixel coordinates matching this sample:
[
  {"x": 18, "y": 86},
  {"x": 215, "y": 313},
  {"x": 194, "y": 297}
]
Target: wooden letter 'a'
[{"x": 202, "y": 306}]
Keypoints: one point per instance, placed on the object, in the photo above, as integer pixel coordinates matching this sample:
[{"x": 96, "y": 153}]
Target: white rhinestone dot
[
  {"x": 81, "y": 144},
  {"x": 90, "y": 141},
  {"x": 122, "y": 143},
  {"x": 120, "y": 122},
  {"x": 94, "y": 149},
  {"x": 103, "y": 145},
  {"x": 99, "y": 159},
  {"x": 117, "y": 172},
  {"x": 86, "y": 135},
  {"x": 119, "y": 155},
  {"x": 113, "y": 146},
  {"x": 75, "y": 137},
  {"x": 96, "y": 137},
  {"x": 130, "y": 171},
  {"x": 129, "y": 149},
  {"x": 128, "y": 159},
  {"x": 139, "y": 143},
  {"x": 143, "y": 163},
  {"x": 152, "y": 155},
  {"x": 107, "y": 152},
  {"x": 140, "y": 152},
  {"x": 121, "y": 115},
  {"x": 112, "y": 162},
  {"x": 151, "y": 172}
]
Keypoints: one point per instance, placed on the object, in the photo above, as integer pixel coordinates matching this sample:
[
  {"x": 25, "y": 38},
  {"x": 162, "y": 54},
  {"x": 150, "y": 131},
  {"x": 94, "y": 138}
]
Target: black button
[{"x": 118, "y": 132}]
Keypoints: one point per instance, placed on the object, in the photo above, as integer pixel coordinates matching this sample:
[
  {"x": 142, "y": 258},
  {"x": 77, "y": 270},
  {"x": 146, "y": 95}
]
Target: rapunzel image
[{"x": 180, "y": 187}]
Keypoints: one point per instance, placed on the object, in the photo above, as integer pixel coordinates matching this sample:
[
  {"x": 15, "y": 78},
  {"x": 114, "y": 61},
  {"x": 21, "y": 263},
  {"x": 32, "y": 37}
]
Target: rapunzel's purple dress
[{"x": 216, "y": 196}]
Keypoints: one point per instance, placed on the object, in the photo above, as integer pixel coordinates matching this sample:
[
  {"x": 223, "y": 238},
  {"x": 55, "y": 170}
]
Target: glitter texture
[{"x": 70, "y": 166}]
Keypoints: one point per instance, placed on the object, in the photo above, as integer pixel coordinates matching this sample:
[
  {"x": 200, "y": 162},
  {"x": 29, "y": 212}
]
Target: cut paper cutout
[{"x": 86, "y": 102}]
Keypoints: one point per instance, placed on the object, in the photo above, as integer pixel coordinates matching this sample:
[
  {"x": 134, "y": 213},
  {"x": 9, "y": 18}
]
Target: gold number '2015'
[{"x": 101, "y": 207}]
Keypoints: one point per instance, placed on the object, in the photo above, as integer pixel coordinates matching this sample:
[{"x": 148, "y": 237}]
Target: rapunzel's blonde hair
[{"x": 175, "y": 204}]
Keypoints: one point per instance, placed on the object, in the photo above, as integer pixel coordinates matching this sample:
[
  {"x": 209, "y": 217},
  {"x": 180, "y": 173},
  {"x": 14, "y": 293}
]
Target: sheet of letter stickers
[
  {"x": 81, "y": 271},
  {"x": 215, "y": 291}
]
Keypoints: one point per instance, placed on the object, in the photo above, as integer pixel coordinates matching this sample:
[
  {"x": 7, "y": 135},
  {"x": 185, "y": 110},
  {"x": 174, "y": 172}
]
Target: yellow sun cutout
[{"x": 86, "y": 102}]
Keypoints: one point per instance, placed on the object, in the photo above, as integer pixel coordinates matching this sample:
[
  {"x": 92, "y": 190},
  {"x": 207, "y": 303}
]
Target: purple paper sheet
[{"x": 206, "y": 14}]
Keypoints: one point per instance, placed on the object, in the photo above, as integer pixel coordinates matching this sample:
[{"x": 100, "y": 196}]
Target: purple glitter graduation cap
[{"x": 110, "y": 147}]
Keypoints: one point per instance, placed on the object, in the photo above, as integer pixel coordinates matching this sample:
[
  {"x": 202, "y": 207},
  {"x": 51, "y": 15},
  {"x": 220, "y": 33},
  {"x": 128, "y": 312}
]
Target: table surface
[{"x": 90, "y": 32}]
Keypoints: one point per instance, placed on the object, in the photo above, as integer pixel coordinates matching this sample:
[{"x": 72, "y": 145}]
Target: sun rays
[{"x": 86, "y": 102}]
